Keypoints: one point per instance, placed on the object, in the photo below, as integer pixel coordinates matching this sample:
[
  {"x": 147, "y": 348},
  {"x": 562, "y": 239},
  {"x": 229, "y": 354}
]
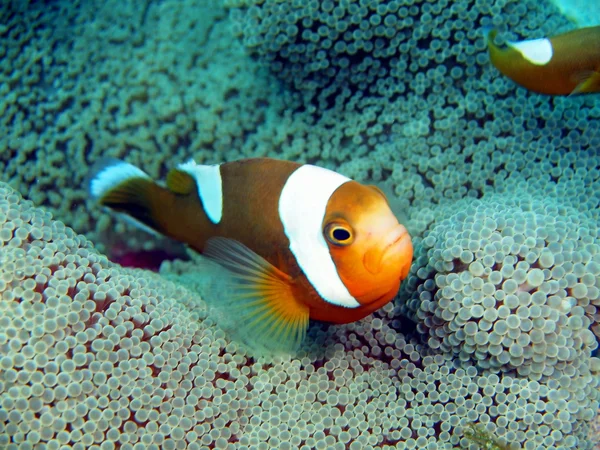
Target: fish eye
[{"x": 339, "y": 234}]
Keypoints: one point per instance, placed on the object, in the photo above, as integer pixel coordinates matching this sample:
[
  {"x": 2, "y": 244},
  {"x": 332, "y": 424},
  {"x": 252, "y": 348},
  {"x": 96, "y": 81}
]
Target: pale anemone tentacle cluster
[
  {"x": 509, "y": 283},
  {"x": 80, "y": 82},
  {"x": 100, "y": 357}
]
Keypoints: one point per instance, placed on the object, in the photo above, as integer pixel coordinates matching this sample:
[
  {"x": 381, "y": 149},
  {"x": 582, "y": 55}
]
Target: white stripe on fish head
[
  {"x": 536, "y": 51},
  {"x": 210, "y": 187},
  {"x": 302, "y": 206}
]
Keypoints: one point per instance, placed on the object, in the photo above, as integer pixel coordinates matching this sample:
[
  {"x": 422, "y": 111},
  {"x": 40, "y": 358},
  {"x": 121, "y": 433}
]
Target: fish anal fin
[
  {"x": 180, "y": 182},
  {"x": 261, "y": 308}
]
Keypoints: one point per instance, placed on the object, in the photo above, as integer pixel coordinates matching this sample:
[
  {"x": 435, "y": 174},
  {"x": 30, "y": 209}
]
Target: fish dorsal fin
[
  {"x": 260, "y": 308},
  {"x": 588, "y": 81},
  {"x": 180, "y": 182}
]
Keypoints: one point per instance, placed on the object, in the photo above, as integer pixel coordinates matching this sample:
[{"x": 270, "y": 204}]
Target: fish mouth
[
  {"x": 397, "y": 244},
  {"x": 400, "y": 251},
  {"x": 398, "y": 238}
]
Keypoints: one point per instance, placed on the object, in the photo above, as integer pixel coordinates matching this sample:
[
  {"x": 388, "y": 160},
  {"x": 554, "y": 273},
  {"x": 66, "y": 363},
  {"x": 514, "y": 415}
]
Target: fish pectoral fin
[
  {"x": 257, "y": 305},
  {"x": 180, "y": 182},
  {"x": 589, "y": 81}
]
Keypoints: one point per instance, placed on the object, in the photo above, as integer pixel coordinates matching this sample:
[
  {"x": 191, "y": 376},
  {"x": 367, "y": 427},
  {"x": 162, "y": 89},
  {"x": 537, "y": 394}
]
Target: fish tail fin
[
  {"x": 128, "y": 191},
  {"x": 490, "y": 34},
  {"x": 497, "y": 54}
]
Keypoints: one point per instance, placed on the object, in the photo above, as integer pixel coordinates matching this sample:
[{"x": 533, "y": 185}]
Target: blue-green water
[{"x": 498, "y": 186}]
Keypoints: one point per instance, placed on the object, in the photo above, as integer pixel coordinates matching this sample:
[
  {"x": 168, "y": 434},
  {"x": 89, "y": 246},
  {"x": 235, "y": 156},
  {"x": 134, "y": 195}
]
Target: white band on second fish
[
  {"x": 536, "y": 51},
  {"x": 302, "y": 206}
]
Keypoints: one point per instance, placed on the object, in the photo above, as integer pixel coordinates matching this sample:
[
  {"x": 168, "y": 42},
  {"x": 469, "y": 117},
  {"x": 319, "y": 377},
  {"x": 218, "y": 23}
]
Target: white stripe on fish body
[
  {"x": 210, "y": 187},
  {"x": 302, "y": 206},
  {"x": 113, "y": 174},
  {"x": 536, "y": 51}
]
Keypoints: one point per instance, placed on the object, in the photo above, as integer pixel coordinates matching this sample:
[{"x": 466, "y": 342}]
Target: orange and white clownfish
[
  {"x": 561, "y": 65},
  {"x": 297, "y": 241}
]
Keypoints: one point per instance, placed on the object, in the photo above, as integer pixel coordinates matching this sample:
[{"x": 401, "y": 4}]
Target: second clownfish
[
  {"x": 293, "y": 241},
  {"x": 565, "y": 64}
]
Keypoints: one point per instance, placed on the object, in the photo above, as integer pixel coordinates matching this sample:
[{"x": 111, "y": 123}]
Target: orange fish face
[{"x": 371, "y": 250}]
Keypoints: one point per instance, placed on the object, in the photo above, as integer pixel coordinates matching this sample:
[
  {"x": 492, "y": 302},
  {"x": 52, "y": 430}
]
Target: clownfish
[
  {"x": 561, "y": 65},
  {"x": 294, "y": 241}
]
